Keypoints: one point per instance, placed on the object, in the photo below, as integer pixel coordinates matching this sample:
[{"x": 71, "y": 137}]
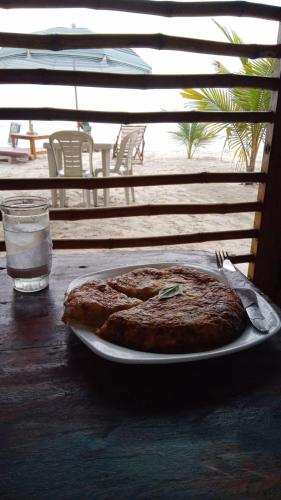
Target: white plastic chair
[
  {"x": 139, "y": 145},
  {"x": 123, "y": 164},
  {"x": 67, "y": 147},
  {"x": 54, "y": 155}
]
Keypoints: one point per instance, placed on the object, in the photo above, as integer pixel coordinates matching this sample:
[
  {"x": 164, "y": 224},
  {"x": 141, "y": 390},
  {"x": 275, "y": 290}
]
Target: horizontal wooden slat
[
  {"x": 236, "y": 259},
  {"x": 10, "y": 184},
  {"x": 157, "y": 240},
  {"x": 240, "y": 258},
  {"x": 159, "y": 8},
  {"x": 140, "y": 210},
  {"x": 95, "y": 79},
  {"x": 153, "y": 40},
  {"x": 175, "y": 239},
  {"x": 58, "y": 114}
]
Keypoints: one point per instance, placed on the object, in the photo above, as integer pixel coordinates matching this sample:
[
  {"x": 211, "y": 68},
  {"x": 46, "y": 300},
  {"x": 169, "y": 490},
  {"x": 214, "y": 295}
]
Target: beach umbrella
[{"x": 123, "y": 60}]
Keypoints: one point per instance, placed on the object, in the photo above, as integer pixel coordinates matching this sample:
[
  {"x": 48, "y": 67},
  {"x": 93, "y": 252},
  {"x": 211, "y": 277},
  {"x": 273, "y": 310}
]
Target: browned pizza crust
[
  {"x": 92, "y": 303},
  {"x": 146, "y": 282},
  {"x": 206, "y": 316}
]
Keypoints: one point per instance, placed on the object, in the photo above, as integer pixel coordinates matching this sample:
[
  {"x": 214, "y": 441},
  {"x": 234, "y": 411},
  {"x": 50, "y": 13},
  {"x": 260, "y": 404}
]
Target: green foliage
[
  {"x": 244, "y": 139},
  {"x": 193, "y": 136}
]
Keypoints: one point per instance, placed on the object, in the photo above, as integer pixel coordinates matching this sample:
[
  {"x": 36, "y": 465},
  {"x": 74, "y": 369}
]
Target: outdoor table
[
  {"x": 102, "y": 147},
  {"x": 105, "y": 149},
  {"x": 76, "y": 426},
  {"x": 31, "y": 138}
]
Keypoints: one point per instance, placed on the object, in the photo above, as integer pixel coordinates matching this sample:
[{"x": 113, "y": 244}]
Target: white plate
[{"x": 114, "y": 352}]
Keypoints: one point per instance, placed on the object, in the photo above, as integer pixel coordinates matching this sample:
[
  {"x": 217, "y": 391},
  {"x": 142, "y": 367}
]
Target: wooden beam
[
  {"x": 57, "y": 114},
  {"x": 158, "y": 41},
  {"x": 94, "y": 79},
  {"x": 14, "y": 184},
  {"x": 240, "y": 258},
  {"x": 236, "y": 259},
  {"x": 267, "y": 248},
  {"x": 152, "y": 210},
  {"x": 175, "y": 239},
  {"x": 159, "y": 8}
]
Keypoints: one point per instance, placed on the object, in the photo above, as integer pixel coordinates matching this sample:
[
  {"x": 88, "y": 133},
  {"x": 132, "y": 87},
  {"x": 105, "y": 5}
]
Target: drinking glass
[{"x": 28, "y": 241}]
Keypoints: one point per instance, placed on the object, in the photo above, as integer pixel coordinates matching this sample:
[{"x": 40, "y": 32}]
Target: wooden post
[{"x": 266, "y": 272}]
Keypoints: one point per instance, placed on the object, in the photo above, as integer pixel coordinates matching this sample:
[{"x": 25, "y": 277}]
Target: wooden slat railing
[
  {"x": 157, "y": 41},
  {"x": 152, "y": 210},
  {"x": 8, "y": 183},
  {"x": 153, "y": 40},
  {"x": 127, "y": 81},
  {"x": 176, "y": 239},
  {"x": 159, "y": 8},
  {"x": 131, "y": 117},
  {"x": 144, "y": 210}
]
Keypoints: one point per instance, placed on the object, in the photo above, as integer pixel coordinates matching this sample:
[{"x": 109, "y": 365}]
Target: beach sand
[{"x": 157, "y": 162}]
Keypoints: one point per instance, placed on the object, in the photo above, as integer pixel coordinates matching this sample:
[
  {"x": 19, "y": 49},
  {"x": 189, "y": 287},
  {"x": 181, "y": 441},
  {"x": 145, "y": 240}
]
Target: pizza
[
  {"x": 92, "y": 303},
  {"x": 144, "y": 283},
  {"x": 166, "y": 310}
]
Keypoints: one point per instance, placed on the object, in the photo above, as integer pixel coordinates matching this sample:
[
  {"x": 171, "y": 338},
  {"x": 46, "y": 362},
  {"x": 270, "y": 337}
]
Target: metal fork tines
[
  {"x": 247, "y": 296},
  {"x": 220, "y": 257}
]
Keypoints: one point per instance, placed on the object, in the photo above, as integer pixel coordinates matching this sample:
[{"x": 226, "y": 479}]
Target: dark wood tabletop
[{"x": 76, "y": 426}]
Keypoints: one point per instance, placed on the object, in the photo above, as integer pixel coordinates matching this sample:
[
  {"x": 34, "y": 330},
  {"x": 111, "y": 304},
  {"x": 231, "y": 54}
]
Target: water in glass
[{"x": 28, "y": 242}]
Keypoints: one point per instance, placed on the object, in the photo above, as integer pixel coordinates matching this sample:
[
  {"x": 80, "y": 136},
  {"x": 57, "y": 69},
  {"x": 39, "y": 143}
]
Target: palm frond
[
  {"x": 220, "y": 68},
  {"x": 232, "y": 37},
  {"x": 244, "y": 139},
  {"x": 193, "y": 136}
]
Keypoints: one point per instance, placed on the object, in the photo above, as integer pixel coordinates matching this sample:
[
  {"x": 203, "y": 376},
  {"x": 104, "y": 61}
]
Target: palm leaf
[
  {"x": 193, "y": 136},
  {"x": 232, "y": 37},
  {"x": 243, "y": 138},
  {"x": 220, "y": 68}
]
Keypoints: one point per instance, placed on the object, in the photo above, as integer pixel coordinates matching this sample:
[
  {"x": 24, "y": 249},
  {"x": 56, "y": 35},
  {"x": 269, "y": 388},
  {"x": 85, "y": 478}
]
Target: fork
[
  {"x": 247, "y": 296},
  {"x": 220, "y": 257}
]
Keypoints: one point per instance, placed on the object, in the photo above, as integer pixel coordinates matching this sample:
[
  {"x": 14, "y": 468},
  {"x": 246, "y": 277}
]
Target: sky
[{"x": 31, "y": 20}]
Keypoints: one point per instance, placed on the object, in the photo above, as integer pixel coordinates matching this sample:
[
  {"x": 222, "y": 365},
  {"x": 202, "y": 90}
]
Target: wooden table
[
  {"x": 75, "y": 426},
  {"x": 103, "y": 147},
  {"x": 31, "y": 138}
]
